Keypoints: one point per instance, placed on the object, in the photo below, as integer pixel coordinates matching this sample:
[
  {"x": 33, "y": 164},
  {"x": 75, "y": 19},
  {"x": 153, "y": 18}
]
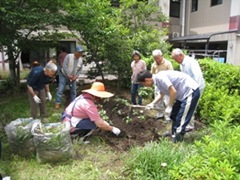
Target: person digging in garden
[
  {"x": 184, "y": 95},
  {"x": 82, "y": 114}
]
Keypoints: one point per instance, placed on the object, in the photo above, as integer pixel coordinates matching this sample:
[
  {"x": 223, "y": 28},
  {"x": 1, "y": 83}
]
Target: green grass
[
  {"x": 99, "y": 161},
  {"x": 92, "y": 162},
  {"x": 154, "y": 160},
  {"x": 96, "y": 160}
]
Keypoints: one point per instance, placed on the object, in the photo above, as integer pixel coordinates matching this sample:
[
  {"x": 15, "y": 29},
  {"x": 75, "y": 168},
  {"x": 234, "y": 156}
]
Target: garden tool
[{"x": 140, "y": 107}]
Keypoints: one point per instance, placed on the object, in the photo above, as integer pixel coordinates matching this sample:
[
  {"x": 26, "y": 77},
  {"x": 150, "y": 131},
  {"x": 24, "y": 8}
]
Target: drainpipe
[{"x": 183, "y": 17}]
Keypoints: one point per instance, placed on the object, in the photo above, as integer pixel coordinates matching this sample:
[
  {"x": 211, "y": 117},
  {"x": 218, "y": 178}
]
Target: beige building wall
[{"x": 208, "y": 19}]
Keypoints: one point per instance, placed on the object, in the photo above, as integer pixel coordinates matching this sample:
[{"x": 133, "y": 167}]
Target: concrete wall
[{"x": 209, "y": 19}]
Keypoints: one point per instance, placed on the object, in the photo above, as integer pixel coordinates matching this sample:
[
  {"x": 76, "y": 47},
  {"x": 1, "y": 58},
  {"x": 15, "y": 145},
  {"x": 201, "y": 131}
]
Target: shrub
[
  {"x": 217, "y": 156},
  {"x": 226, "y": 75},
  {"x": 216, "y": 103}
]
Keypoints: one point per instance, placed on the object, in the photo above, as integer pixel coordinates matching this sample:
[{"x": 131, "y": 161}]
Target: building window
[
  {"x": 216, "y": 2},
  {"x": 175, "y": 8},
  {"x": 194, "y": 5}
]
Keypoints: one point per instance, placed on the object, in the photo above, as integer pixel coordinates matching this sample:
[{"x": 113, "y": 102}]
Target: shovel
[{"x": 140, "y": 107}]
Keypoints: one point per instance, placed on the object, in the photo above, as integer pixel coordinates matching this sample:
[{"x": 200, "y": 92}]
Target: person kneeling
[{"x": 82, "y": 114}]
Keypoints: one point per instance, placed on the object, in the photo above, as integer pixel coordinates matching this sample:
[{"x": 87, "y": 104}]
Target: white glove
[
  {"x": 116, "y": 131},
  {"x": 168, "y": 110},
  {"x": 149, "y": 106},
  {"x": 49, "y": 96},
  {"x": 36, "y": 99}
]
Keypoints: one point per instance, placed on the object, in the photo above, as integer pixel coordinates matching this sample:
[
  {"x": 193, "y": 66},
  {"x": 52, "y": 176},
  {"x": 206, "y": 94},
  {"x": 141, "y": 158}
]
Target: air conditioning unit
[{"x": 175, "y": 34}]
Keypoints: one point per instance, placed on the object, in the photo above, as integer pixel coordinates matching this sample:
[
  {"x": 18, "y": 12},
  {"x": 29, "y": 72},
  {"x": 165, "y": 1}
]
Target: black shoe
[
  {"x": 189, "y": 129},
  {"x": 167, "y": 133},
  {"x": 178, "y": 138}
]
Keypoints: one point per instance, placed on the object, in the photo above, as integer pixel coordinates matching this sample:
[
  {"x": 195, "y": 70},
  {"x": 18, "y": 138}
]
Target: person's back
[{"x": 182, "y": 82}]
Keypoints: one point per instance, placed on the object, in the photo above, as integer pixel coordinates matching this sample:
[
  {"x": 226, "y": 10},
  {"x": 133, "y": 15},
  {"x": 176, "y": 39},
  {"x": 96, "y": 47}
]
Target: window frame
[
  {"x": 176, "y": 4},
  {"x": 216, "y": 2},
  {"x": 194, "y": 7}
]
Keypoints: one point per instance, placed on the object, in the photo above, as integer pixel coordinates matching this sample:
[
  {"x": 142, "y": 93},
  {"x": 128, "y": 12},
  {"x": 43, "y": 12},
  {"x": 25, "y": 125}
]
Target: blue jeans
[
  {"x": 63, "y": 81},
  {"x": 134, "y": 93},
  {"x": 84, "y": 127}
]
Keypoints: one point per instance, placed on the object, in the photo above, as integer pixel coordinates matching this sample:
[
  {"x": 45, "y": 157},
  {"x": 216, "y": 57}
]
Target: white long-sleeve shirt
[{"x": 191, "y": 67}]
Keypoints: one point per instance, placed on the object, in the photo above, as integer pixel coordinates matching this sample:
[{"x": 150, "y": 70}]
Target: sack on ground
[
  {"x": 20, "y": 136},
  {"x": 53, "y": 142}
]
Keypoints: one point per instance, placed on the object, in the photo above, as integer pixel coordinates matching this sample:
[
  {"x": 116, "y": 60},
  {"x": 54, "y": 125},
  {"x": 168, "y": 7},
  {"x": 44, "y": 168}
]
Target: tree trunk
[{"x": 14, "y": 70}]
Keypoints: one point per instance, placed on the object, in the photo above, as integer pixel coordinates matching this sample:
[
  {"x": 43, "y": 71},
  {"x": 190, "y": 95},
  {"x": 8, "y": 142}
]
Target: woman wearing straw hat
[{"x": 82, "y": 114}]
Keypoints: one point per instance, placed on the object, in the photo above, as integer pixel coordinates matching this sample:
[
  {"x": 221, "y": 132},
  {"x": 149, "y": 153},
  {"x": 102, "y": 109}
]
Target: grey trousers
[{"x": 34, "y": 106}]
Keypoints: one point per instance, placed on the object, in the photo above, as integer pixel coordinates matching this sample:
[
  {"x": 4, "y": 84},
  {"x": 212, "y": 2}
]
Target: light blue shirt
[
  {"x": 182, "y": 82},
  {"x": 191, "y": 67}
]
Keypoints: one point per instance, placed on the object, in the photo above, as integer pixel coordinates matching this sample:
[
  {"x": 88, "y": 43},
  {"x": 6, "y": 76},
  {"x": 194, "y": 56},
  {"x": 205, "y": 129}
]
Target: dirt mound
[{"x": 137, "y": 125}]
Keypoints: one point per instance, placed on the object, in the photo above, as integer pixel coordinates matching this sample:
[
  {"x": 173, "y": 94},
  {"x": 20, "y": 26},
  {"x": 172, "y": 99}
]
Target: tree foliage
[
  {"x": 111, "y": 34},
  {"x": 23, "y": 22}
]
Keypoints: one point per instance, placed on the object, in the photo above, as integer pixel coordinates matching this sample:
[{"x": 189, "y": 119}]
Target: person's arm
[
  {"x": 103, "y": 125},
  {"x": 47, "y": 87},
  {"x": 31, "y": 91},
  {"x": 79, "y": 67},
  {"x": 157, "y": 98},
  {"x": 172, "y": 95},
  {"x": 65, "y": 67},
  {"x": 35, "y": 97}
]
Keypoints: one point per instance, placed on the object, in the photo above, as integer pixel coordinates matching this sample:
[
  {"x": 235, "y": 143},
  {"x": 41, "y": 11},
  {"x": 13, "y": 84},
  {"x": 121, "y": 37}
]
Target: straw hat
[{"x": 98, "y": 89}]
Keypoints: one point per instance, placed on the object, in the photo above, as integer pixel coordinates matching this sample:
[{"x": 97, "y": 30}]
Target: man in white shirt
[{"x": 191, "y": 67}]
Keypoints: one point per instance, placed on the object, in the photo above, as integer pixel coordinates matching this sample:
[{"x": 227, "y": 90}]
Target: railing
[{"x": 218, "y": 55}]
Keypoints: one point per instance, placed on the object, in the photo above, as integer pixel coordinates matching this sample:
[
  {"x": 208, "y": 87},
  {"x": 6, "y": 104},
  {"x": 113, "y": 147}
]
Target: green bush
[
  {"x": 217, "y": 156},
  {"x": 154, "y": 160},
  {"x": 221, "y": 98},
  {"x": 220, "y": 74},
  {"x": 216, "y": 103}
]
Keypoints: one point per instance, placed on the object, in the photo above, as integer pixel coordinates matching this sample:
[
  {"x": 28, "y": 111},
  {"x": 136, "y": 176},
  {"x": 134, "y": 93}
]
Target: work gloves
[
  {"x": 36, "y": 99},
  {"x": 116, "y": 131},
  {"x": 168, "y": 111},
  {"x": 49, "y": 96}
]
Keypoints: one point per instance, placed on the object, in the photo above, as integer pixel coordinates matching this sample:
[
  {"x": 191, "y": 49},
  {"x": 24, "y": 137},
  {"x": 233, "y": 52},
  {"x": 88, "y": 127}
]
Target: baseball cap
[{"x": 79, "y": 49}]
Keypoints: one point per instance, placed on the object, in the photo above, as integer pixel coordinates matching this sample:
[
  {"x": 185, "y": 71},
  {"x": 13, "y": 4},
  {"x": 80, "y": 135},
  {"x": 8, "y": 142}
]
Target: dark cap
[{"x": 142, "y": 75}]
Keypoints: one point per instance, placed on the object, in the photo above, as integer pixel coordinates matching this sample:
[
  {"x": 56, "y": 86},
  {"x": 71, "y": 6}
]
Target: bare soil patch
[{"x": 138, "y": 126}]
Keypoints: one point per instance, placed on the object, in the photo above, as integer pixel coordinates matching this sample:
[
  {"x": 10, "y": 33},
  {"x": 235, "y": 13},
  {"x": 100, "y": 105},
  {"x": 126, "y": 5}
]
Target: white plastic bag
[
  {"x": 52, "y": 142},
  {"x": 20, "y": 136}
]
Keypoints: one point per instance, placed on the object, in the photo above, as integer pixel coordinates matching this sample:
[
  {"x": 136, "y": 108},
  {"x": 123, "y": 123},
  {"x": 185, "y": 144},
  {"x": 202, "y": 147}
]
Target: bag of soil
[
  {"x": 20, "y": 136},
  {"x": 53, "y": 142}
]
